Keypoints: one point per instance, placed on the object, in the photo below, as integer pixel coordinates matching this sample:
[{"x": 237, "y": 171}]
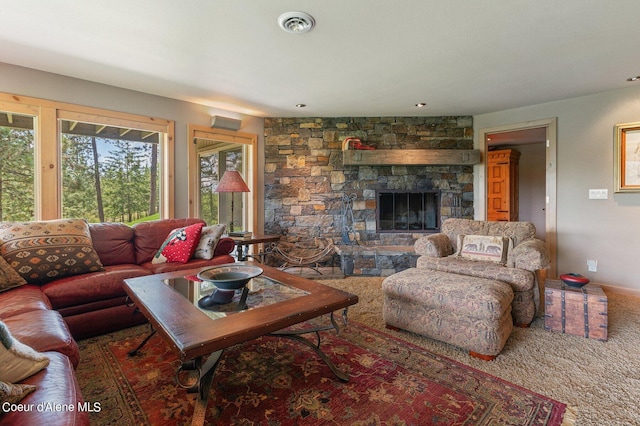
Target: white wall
[
  {"x": 37, "y": 84},
  {"x": 606, "y": 230}
]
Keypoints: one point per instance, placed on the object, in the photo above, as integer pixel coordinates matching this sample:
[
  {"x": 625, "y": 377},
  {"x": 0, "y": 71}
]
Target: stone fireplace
[{"x": 306, "y": 179}]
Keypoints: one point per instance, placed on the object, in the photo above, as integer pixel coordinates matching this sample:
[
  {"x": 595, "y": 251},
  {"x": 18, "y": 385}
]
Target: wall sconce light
[{"x": 227, "y": 123}]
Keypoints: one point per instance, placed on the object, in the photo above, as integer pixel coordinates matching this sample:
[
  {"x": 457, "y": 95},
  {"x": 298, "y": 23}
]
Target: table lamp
[{"x": 232, "y": 182}]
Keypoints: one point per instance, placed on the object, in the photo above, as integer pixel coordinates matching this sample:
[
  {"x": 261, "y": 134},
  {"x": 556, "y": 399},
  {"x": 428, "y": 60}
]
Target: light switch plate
[{"x": 598, "y": 194}]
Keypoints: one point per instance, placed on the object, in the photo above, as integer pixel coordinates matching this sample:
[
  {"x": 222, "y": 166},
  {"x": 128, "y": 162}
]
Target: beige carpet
[{"x": 599, "y": 381}]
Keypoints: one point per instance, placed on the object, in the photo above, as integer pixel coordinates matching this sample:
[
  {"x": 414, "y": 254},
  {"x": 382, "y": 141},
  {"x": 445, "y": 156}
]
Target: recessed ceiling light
[
  {"x": 636, "y": 78},
  {"x": 301, "y": 105},
  {"x": 421, "y": 104},
  {"x": 296, "y": 22}
]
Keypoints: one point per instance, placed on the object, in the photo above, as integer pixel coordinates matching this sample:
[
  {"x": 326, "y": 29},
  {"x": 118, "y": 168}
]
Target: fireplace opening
[{"x": 415, "y": 211}]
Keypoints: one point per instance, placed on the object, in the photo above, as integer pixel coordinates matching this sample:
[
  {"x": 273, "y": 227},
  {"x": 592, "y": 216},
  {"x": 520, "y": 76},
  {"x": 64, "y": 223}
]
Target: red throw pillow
[{"x": 179, "y": 245}]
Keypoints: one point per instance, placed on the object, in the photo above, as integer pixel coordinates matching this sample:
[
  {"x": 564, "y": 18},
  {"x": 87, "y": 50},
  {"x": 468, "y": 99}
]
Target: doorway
[
  {"x": 536, "y": 142},
  {"x": 221, "y": 150}
]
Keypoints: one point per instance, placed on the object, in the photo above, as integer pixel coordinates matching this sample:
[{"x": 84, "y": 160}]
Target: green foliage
[
  {"x": 155, "y": 216},
  {"x": 116, "y": 188},
  {"x": 209, "y": 178},
  {"x": 16, "y": 175}
]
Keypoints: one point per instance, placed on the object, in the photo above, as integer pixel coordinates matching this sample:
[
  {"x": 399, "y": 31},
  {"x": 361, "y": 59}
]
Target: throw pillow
[
  {"x": 9, "y": 278},
  {"x": 483, "y": 247},
  {"x": 13, "y": 394},
  {"x": 208, "y": 241},
  {"x": 179, "y": 245},
  {"x": 43, "y": 251},
  {"x": 18, "y": 361}
]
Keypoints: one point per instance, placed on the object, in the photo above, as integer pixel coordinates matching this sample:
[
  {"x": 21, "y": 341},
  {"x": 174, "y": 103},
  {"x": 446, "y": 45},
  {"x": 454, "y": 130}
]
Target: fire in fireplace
[{"x": 414, "y": 211}]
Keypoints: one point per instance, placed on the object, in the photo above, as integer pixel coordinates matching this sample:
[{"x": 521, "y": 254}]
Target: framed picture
[{"x": 627, "y": 157}]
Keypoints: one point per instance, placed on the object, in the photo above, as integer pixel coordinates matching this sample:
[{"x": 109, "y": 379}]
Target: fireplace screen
[{"x": 409, "y": 211}]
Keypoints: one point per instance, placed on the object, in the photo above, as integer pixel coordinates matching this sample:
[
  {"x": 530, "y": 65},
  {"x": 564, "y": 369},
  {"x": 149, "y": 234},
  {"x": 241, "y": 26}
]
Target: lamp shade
[{"x": 232, "y": 182}]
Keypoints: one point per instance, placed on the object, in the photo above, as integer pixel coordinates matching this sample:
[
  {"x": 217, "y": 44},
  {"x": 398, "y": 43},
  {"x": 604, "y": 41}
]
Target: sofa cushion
[
  {"x": 208, "y": 241},
  {"x": 179, "y": 244},
  {"x": 56, "y": 384},
  {"x": 17, "y": 360},
  {"x": 149, "y": 236},
  {"x": 48, "y": 250},
  {"x": 44, "y": 331},
  {"x": 24, "y": 299},
  {"x": 519, "y": 279},
  {"x": 160, "y": 268},
  {"x": 9, "y": 278},
  {"x": 87, "y": 288},
  {"x": 113, "y": 242}
]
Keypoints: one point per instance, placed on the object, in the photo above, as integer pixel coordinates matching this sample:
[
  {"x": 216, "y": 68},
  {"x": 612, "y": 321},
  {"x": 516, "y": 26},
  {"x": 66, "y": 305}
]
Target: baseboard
[{"x": 620, "y": 290}]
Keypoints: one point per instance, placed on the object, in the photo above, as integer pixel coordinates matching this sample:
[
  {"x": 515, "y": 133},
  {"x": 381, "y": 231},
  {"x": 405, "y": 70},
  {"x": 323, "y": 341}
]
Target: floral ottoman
[{"x": 469, "y": 312}]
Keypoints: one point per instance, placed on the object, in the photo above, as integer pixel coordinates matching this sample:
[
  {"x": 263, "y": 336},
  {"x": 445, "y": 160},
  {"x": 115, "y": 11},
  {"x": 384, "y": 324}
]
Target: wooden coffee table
[{"x": 275, "y": 301}]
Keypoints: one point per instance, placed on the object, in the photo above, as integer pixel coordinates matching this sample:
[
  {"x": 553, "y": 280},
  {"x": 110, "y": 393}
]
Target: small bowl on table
[
  {"x": 227, "y": 279},
  {"x": 574, "y": 280}
]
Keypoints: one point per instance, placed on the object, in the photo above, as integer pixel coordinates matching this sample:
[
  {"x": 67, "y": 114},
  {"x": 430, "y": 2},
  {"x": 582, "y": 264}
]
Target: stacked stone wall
[{"x": 305, "y": 178}]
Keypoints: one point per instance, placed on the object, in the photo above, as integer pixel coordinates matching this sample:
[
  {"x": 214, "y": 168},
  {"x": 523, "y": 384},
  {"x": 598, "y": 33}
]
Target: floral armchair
[{"x": 516, "y": 262}]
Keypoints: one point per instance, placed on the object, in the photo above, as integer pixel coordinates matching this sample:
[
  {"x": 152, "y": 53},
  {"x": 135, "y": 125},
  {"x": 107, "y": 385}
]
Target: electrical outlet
[
  {"x": 592, "y": 265},
  {"x": 598, "y": 194}
]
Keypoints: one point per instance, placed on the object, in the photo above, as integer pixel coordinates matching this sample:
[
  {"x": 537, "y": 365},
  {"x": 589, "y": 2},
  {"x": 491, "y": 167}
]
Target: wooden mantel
[{"x": 411, "y": 157}]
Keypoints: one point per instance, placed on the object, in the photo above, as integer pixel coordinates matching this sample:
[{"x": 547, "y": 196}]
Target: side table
[
  {"x": 243, "y": 243},
  {"x": 578, "y": 311}
]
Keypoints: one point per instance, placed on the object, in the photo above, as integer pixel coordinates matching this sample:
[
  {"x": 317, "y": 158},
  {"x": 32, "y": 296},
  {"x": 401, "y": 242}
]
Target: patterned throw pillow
[
  {"x": 18, "y": 361},
  {"x": 179, "y": 245},
  {"x": 483, "y": 247},
  {"x": 208, "y": 241},
  {"x": 14, "y": 393},
  {"x": 47, "y": 250},
  {"x": 9, "y": 278}
]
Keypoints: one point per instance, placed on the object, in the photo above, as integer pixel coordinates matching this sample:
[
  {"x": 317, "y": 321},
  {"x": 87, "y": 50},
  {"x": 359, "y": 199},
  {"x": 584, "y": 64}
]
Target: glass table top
[{"x": 260, "y": 292}]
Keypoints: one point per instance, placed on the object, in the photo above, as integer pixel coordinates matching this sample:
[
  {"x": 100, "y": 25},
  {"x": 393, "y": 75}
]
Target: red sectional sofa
[{"x": 51, "y": 317}]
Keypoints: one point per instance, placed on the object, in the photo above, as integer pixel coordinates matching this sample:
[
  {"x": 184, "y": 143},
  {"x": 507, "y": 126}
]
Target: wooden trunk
[{"x": 577, "y": 311}]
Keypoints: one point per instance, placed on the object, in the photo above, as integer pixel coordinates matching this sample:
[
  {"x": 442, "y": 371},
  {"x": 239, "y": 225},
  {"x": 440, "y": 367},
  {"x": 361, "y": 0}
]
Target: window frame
[
  {"x": 249, "y": 142},
  {"x": 47, "y": 134}
]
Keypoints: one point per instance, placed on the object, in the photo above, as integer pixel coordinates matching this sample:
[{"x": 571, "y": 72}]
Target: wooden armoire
[{"x": 502, "y": 185}]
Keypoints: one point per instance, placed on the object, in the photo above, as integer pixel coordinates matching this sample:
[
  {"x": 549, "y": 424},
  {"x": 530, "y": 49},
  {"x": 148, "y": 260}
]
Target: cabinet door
[{"x": 498, "y": 191}]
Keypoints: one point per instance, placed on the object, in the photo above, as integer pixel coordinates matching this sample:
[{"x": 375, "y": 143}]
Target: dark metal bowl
[
  {"x": 574, "y": 280},
  {"x": 230, "y": 276}
]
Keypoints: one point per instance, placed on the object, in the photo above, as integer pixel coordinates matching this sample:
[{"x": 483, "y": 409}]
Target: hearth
[{"x": 412, "y": 211}]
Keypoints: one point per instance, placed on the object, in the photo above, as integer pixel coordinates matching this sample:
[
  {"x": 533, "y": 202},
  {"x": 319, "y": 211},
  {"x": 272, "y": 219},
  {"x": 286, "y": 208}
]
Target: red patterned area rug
[{"x": 275, "y": 381}]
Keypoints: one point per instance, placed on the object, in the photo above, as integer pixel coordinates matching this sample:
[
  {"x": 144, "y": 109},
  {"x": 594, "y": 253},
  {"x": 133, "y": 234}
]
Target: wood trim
[
  {"x": 48, "y": 202},
  {"x": 551, "y": 181},
  {"x": 81, "y": 109},
  {"x": 47, "y": 160},
  {"x": 409, "y": 157},
  {"x": 620, "y": 290},
  {"x": 167, "y": 209}
]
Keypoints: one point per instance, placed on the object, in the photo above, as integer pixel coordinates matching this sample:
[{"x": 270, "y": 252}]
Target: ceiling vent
[{"x": 296, "y": 22}]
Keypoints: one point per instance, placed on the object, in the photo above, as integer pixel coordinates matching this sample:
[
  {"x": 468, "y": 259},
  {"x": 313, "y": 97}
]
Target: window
[
  {"x": 213, "y": 152},
  {"x": 212, "y": 167},
  {"x": 16, "y": 167},
  {"x": 85, "y": 162},
  {"x": 109, "y": 174}
]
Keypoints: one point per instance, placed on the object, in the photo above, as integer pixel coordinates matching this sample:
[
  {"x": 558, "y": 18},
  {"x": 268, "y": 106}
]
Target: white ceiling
[{"x": 364, "y": 58}]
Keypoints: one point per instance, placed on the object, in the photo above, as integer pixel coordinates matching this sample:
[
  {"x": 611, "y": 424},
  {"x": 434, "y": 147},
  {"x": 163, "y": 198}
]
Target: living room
[{"x": 582, "y": 133}]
